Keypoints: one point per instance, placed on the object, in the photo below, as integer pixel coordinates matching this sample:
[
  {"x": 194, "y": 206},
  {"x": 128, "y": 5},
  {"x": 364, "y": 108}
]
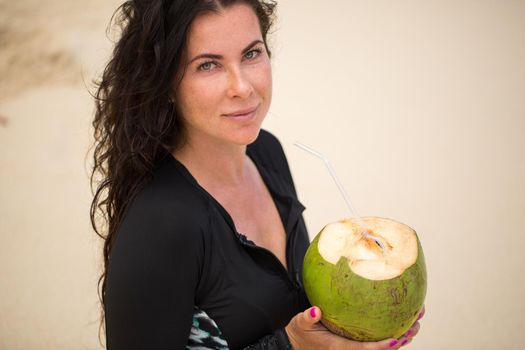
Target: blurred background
[{"x": 419, "y": 105}]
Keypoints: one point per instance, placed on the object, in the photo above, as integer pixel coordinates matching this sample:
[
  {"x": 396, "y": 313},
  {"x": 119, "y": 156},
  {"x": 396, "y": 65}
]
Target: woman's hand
[{"x": 307, "y": 333}]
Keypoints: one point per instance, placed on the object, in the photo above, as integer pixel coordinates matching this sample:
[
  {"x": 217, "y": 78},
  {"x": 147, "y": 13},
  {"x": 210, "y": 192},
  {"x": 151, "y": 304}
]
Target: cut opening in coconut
[{"x": 365, "y": 256}]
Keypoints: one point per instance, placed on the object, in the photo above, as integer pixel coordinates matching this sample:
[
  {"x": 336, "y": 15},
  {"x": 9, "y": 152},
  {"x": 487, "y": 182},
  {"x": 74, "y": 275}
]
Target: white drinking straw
[{"x": 353, "y": 212}]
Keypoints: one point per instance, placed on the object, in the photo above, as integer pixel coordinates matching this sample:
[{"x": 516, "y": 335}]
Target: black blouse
[{"x": 178, "y": 248}]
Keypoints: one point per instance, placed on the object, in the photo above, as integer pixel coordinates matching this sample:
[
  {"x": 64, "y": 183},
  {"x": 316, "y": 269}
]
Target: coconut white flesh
[{"x": 365, "y": 258}]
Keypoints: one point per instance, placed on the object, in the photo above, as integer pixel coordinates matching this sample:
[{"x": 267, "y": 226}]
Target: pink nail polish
[
  {"x": 409, "y": 333},
  {"x": 393, "y": 343},
  {"x": 312, "y": 312},
  {"x": 421, "y": 314},
  {"x": 404, "y": 342}
]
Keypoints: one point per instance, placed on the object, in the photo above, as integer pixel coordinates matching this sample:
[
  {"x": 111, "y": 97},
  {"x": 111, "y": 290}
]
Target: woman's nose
[{"x": 239, "y": 85}]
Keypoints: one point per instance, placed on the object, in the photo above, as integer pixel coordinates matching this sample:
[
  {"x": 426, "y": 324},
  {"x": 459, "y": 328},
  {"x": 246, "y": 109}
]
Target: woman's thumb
[{"x": 312, "y": 315}]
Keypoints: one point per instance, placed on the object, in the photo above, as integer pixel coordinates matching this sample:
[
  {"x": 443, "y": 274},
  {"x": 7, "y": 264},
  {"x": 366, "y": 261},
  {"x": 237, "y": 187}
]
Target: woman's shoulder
[
  {"x": 266, "y": 141},
  {"x": 268, "y": 149},
  {"x": 169, "y": 205}
]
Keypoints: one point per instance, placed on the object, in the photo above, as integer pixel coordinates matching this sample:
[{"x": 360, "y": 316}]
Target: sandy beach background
[{"x": 418, "y": 104}]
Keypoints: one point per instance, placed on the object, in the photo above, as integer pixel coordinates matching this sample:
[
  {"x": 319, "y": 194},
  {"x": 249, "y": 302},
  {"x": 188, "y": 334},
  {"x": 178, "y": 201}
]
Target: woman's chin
[{"x": 245, "y": 136}]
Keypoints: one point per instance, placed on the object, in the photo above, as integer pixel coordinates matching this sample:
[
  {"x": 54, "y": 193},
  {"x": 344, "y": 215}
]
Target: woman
[{"x": 205, "y": 236}]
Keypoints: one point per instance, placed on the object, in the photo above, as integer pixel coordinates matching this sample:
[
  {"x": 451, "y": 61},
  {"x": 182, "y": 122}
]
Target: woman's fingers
[
  {"x": 421, "y": 313},
  {"x": 387, "y": 344},
  {"x": 391, "y": 344},
  {"x": 304, "y": 330},
  {"x": 413, "y": 330},
  {"x": 404, "y": 341}
]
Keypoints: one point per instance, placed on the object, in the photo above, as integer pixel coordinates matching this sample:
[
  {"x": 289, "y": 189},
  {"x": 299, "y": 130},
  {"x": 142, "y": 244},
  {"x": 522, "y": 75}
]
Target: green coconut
[{"x": 369, "y": 287}]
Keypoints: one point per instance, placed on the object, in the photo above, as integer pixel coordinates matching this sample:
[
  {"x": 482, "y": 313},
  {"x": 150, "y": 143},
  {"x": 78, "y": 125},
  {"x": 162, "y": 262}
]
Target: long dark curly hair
[{"x": 135, "y": 124}]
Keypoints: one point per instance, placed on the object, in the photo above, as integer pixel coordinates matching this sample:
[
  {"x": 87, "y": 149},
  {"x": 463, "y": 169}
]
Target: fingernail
[
  {"x": 312, "y": 312},
  {"x": 404, "y": 342},
  {"x": 393, "y": 343},
  {"x": 409, "y": 333},
  {"x": 421, "y": 313}
]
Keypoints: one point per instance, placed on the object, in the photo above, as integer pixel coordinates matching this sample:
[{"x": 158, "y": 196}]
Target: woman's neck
[{"x": 214, "y": 163}]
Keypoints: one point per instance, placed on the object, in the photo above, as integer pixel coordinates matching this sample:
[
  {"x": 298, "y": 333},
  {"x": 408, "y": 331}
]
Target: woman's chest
[
  {"x": 244, "y": 286},
  {"x": 256, "y": 216}
]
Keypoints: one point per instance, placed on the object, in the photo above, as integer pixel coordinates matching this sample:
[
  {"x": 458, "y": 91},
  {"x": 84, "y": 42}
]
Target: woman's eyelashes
[
  {"x": 253, "y": 54},
  {"x": 250, "y": 55},
  {"x": 207, "y": 66}
]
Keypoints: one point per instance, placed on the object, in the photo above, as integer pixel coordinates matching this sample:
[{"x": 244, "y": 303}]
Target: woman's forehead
[{"x": 230, "y": 28}]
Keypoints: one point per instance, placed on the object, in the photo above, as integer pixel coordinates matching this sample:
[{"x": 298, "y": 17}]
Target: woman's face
[{"x": 226, "y": 88}]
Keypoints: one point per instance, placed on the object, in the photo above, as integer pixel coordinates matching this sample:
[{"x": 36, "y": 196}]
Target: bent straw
[{"x": 343, "y": 192}]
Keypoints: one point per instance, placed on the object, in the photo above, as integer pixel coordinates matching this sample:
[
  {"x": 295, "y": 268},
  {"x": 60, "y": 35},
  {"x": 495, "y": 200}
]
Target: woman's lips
[{"x": 243, "y": 114}]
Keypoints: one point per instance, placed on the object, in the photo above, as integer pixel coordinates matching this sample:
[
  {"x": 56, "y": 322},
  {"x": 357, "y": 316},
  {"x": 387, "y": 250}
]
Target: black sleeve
[
  {"x": 153, "y": 273},
  {"x": 278, "y": 340}
]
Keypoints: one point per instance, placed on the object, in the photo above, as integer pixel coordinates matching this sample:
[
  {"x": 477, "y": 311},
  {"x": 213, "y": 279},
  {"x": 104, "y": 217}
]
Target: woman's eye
[
  {"x": 250, "y": 55},
  {"x": 206, "y": 66}
]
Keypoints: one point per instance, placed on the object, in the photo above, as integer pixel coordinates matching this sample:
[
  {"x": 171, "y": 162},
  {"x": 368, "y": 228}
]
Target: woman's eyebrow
[
  {"x": 252, "y": 44},
  {"x": 218, "y": 57}
]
